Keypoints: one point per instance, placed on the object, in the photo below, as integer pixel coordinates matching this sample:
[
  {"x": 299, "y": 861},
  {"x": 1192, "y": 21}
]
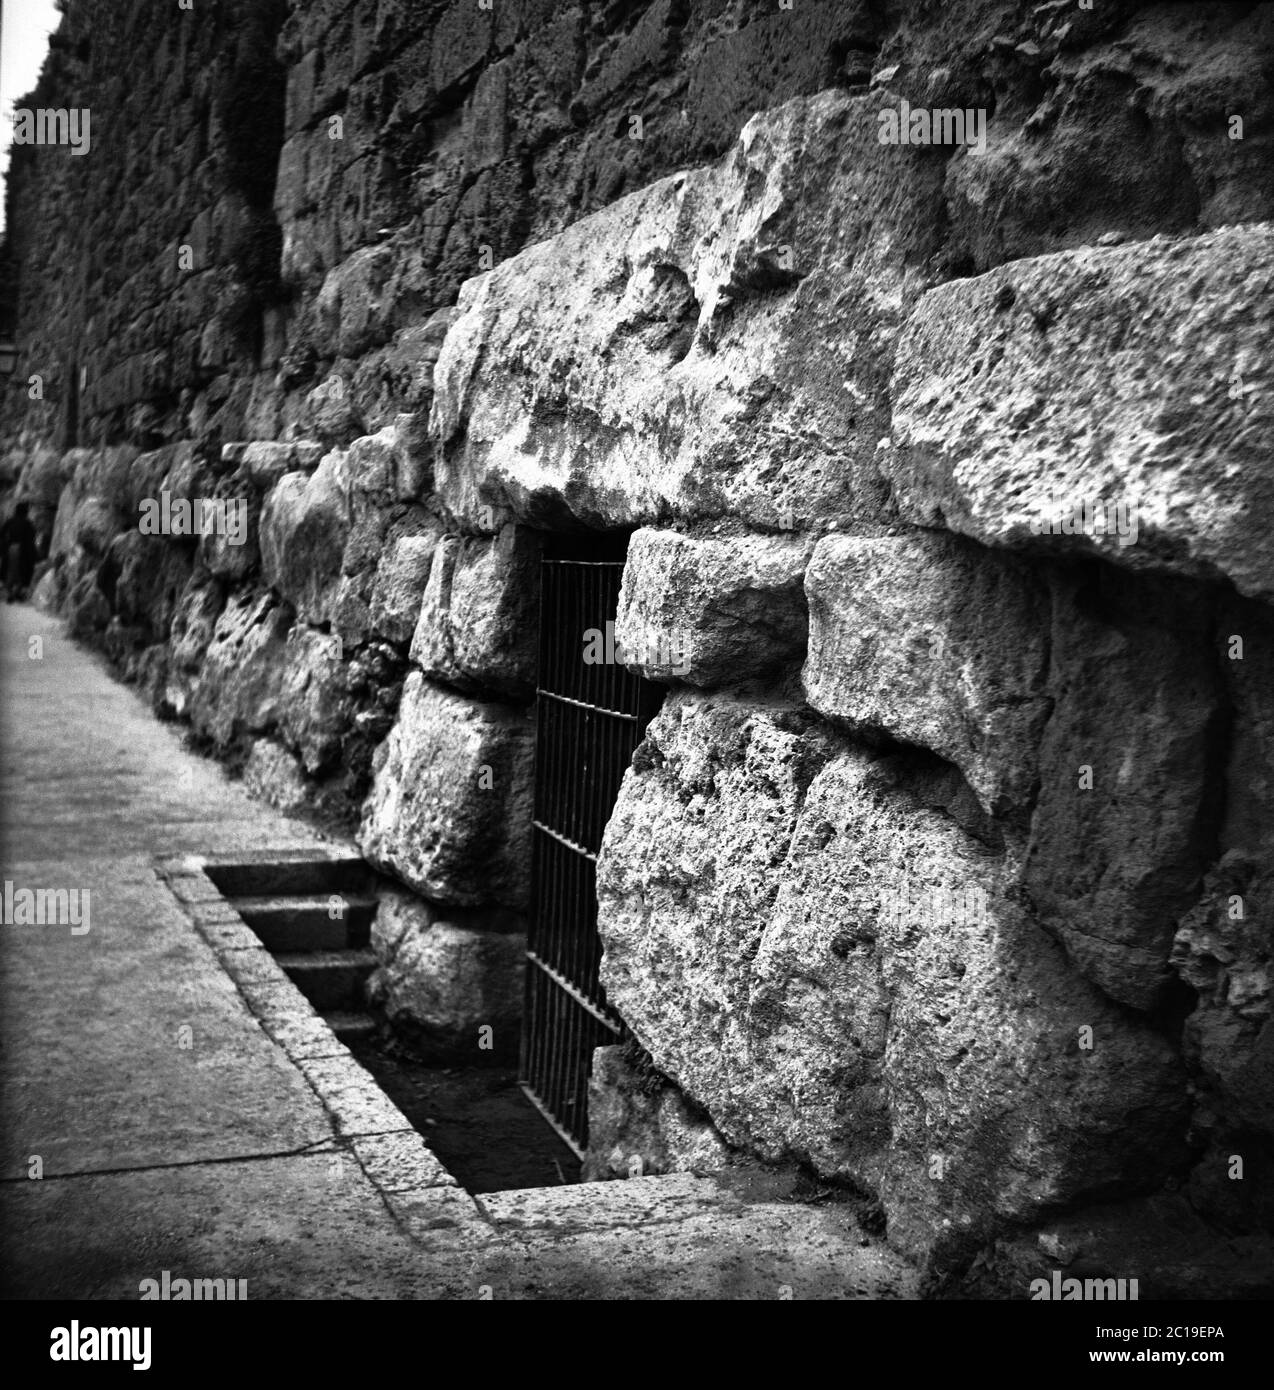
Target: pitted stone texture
[
  {"x": 150, "y": 579},
  {"x": 1138, "y": 699},
  {"x": 381, "y": 467},
  {"x": 823, "y": 1006},
  {"x": 400, "y": 582},
  {"x": 262, "y": 462},
  {"x": 447, "y": 975},
  {"x": 304, "y": 525},
  {"x": 1245, "y": 647},
  {"x": 272, "y": 774},
  {"x": 935, "y": 642},
  {"x": 238, "y": 688},
  {"x": 638, "y": 1125},
  {"x": 1223, "y": 950},
  {"x": 1134, "y": 374},
  {"x": 449, "y": 812},
  {"x": 479, "y": 622},
  {"x": 718, "y": 342},
  {"x": 712, "y": 611},
  {"x": 262, "y": 673}
]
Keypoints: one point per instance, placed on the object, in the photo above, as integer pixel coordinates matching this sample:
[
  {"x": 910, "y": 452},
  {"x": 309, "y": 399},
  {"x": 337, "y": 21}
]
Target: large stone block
[
  {"x": 449, "y": 812},
  {"x": 399, "y": 586},
  {"x": 1136, "y": 375},
  {"x": 479, "y": 621},
  {"x": 716, "y": 343},
  {"x": 305, "y": 521},
  {"x": 264, "y": 461},
  {"x": 1131, "y": 774},
  {"x": 239, "y": 687},
  {"x": 828, "y": 962},
  {"x": 1245, "y": 648},
  {"x": 638, "y": 1124},
  {"x": 446, "y": 975},
  {"x": 712, "y": 611},
  {"x": 935, "y": 642},
  {"x": 1224, "y": 950}
]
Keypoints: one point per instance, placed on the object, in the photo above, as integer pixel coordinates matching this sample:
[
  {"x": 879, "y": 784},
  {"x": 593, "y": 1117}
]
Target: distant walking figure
[{"x": 17, "y": 545}]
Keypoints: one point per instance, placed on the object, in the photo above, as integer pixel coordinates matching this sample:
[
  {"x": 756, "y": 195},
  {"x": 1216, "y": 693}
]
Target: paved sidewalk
[{"x": 208, "y": 1153}]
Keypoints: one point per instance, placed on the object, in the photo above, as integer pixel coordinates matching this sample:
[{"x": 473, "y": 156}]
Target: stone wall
[{"x": 946, "y": 869}]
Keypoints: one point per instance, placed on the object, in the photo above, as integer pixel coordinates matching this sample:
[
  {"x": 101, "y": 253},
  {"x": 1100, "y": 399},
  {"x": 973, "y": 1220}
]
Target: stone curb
[{"x": 422, "y": 1195}]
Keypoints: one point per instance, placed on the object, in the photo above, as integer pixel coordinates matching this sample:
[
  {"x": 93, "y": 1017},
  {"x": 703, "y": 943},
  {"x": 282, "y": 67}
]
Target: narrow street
[{"x": 207, "y": 1154}]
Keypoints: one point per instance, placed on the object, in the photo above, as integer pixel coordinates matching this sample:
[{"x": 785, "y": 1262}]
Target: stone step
[
  {"x": 348, "y": 1025},
  {"x": 285, "y": 874},
  {"x": 331, "y": 980},
  {"x": 306, "y": 923}
]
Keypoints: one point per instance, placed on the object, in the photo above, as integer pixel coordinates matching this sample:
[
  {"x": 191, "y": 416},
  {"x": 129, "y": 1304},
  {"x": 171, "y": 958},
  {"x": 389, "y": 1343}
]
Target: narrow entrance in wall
[{"x": 590, "y": 716}]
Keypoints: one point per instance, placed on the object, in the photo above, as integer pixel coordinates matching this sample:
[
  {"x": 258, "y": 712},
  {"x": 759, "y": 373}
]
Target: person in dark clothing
[{"x": 17, "y": 548}]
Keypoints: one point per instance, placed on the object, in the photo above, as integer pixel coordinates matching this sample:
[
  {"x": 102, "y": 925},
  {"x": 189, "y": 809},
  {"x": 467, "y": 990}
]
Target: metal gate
[{"x": 590, "y": 715}]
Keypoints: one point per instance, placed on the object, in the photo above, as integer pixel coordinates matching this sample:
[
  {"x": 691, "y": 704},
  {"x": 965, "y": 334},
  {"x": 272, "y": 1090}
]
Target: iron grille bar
[
  {"x": 563, "y": 983},
  {"x": 562, "y": 840},
  {"x": 589, "y": 564},
  {"x": 583, "y": 704},
  {"x": 589, "y": 719},
  {"x": 548, "y": 1115}
]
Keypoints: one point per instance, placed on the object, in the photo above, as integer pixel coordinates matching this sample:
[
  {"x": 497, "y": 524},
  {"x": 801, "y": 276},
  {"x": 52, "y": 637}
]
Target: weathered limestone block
[
  {"x": 94, "y": 524},
  {"x": 1132, "y": 138},
  {"x": 263, "y": 674},
  {"x": 828, "y": 964},
  {"x": 986, "y": 1064},
  {"x": 400, "y": 582},
  {"x": 712, "y": 611},
  {"x": 273, "y": 775},
  {"x": 87, "y": 608},
  {"x": 381, "y": 467},
  {"x": 43, "y": 474},
  {"x": 150, "y": 580},
  {"x": 305, "y": 522},
  {"x": 384, "y": 561},
  {"x": 233, "y": 553},
  {"x": 639, "y": 1125},
  {"x": 1245, "y": 643},
  {"x": 264, "y": 461},
  {"x": 239, "y": 689},
  {"x": 194, "y": 622},
  {"x": 330, "y": 414},
  {"x": 935, "y": 642},
  {"x": 717, "y": 342},
  {"x": 449, "y": 812},
  {"x": 1131, "y": 774},
  {"x": 317, "y": 706},
  {"x": 1224, "y": 949},
  {"x": 687, "y": 878},
  {"x": 479, "y": 620},
  {"x": 395, "y": 386},
  {"x": 446, "y": 975},
  {"x": 1133, "y": 375}
]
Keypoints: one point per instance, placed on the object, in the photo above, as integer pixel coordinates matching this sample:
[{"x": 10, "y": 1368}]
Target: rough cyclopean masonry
[{"x": 837, "y": 389}]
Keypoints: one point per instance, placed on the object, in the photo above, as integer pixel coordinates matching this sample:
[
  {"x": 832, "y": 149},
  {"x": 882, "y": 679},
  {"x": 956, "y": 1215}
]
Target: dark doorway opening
[{"x": 591, "y": 713}]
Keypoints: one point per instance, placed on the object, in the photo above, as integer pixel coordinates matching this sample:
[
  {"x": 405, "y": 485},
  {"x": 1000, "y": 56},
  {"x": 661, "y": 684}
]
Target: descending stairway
[{"x": 315, "y": 918}]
